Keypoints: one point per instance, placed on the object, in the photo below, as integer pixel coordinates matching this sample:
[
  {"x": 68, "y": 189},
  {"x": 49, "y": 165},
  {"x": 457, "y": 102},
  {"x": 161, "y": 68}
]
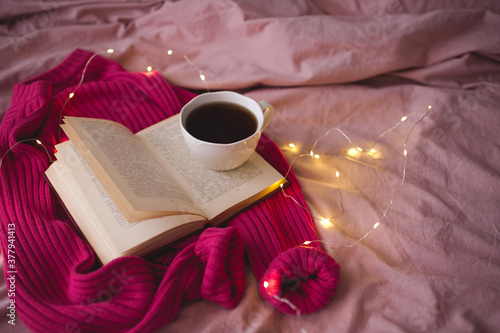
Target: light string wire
[
  {"x": 351, "y": 151},
  {"x": 290, "y": 304},
  {"x": 149, "y": 68},
  {"x": 200, "y": 73},
  {"x": 72, "y": 94},
  {"x": 316, "y": 156},
  {"x": 311, "y": 154},
  {"x": 40, "y": 143}
]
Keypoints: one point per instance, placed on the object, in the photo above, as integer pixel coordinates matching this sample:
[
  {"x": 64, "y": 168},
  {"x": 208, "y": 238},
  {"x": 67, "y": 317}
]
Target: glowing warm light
[
  {"x": 352, "y": 152},
  {"x": 374, "y": 153},
  {"x": 325, "y": 222},
  {"x": 19, "y": 142},
  {"x": 266, "y": 284}
]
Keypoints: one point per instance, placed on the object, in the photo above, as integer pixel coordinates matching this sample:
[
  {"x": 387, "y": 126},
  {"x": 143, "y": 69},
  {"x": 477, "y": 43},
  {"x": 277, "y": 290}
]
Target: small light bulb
[
  {"x": 266, "y": 284},
  {"x": 337, "y": 174},
  {"x": 71, "y": 95},
  {"x": 429, "y": 107},
  {"x": 316, "y": 156},
  {"x": 325, "y": 222},
  {"x": 202, "y": 77},
  {"x": 38, "y": 141},
  {"x": 359, "y": 149},
  {"x": 352, "y": 152},
  {"x": 281, "y": 185},
  {"x": 311, "y": 153},
  {"x": 405, "y": 152},
  {"x": 169, "y": 52},
  {"x": 149, "y": 69},
  {"x": 374, "y": 153},
  {"x": 404, "y": 118},
  {"x": 110, "y": 50},
  {"x": 307, "y": 242},
  {"x": 376, "y": 225},
  {"x": 291, "y": 145}
]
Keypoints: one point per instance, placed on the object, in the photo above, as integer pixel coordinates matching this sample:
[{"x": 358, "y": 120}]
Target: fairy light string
[
  {"x": 353, "y": 151},
  {"x": 149, "y": 68},
  {"x": 372, "y": 153},
  {"x": 200, "y": 73},
  {"x": 38, "y": 142},
  {"x": 72, "y": 94}
]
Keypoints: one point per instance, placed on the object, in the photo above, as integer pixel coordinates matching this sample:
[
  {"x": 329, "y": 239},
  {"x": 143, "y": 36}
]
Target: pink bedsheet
[{"x": 432, "y": 265}]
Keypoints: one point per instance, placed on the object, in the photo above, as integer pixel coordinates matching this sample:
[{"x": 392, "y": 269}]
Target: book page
[
  {"x": 213, "y": 191},
  {"x": 127, "y": 171},
  {"x": 99, "y": 218}
]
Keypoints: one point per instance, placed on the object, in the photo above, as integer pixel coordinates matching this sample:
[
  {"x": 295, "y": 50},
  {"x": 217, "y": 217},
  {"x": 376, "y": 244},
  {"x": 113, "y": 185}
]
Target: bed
[{"x": 387, "y": 113}]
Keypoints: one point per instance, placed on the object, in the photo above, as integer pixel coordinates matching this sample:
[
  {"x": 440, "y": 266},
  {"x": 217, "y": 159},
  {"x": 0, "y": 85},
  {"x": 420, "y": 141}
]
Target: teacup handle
[{"x": 268, "y": 110}]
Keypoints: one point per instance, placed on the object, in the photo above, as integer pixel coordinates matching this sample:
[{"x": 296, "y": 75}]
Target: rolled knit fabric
[
  {"x": 300, "y": 280},
  {"x": 274, "y": 233},
  {"x": 58, "y": 286}
]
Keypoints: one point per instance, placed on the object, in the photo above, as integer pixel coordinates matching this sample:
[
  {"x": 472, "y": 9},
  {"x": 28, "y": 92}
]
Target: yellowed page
[
  {"x": 130, "y": 175},
  {"x": 99, "y": 218},
  {"x": 76, "y": 205}
]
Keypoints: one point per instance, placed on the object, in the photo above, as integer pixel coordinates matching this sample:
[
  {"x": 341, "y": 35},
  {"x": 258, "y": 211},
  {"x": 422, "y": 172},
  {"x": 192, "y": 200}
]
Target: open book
[{"x": 131, "y": 194}]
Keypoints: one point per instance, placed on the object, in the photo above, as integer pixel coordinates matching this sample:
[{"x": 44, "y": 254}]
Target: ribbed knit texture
[
  {"x": 278, "y": 226},
  {"x": 58, "y": 285}
]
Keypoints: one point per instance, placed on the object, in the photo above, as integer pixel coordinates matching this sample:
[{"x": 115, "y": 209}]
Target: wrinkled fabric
[{"x": 431, "y": 265}]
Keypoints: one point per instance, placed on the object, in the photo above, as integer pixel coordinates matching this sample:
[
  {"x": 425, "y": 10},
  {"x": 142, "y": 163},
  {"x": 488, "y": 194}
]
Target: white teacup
[{"x": 227, "y": 155}]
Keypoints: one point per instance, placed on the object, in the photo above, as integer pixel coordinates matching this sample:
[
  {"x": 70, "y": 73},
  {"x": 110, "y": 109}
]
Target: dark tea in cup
[{"x": 221, "y": 122}]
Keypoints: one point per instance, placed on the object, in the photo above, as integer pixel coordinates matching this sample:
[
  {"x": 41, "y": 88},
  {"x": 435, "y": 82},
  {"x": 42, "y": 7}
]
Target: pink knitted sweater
[{"x": 59, "y": 286}]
